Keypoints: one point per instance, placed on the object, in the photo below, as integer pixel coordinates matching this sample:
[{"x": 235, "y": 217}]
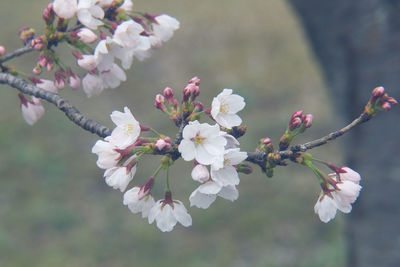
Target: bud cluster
[
  {"x": 298, "y": 123},
  {"x": 378, "y": 101}
]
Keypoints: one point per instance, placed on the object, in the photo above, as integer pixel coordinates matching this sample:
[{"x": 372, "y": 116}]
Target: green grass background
[{"x": 56, "y": 210}]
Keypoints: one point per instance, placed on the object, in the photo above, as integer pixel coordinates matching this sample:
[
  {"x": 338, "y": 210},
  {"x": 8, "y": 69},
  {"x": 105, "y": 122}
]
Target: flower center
[
  {"x": 224, "y": 108},
  {"x": 128, "y": 128},
  {"x": 227, "y": 162},
  {"x": 198, "y": 140}
]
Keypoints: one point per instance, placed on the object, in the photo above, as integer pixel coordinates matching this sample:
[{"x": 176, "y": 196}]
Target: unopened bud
[
  {"x": 144, "y": 128},
  {"x": 308, "y": 120},
  {"x": 74, "y": 81},
  {"x": 37, "y": 70},
  {"x": 378, "y": 92},
  {"x": 295, "y": 123},
  {"x": 386, "y": 106},
  {"x": 76, "y": 54},
  {"x": 162, "y": 144},
  {"x": 48, "y": 14},
  {"x": 159, "y": 102},
  {"x": 244, "y": 168},
  {"x": 26, "y": 34},
  {"x": 169, "y": 94},
  {"x": 297, "y": 114},
  {"x": 199, "y": 106},
  {"x": 2, "y": 50},
  {"x": 87, "y": 36},
  {"x": 266, "y": 141},
  {"x": 50, "y": 65},
  {"x": 37, "y": 44},
  {"x": 392, "y": 101},
  {"x": 195, "y": 80}
]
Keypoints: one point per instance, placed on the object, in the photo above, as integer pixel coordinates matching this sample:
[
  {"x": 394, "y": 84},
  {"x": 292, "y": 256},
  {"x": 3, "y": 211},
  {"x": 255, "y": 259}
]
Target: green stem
[
  {"x": 167, "y": 184},
  {"x": 155, "y": 132},
  {"x": 157, "y": 171}
]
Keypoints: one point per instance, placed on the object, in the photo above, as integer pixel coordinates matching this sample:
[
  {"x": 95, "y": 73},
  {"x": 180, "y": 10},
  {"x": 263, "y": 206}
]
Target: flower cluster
[
  {"x": 213, "y": 149},
  {"x": 340, "y": 191},
  {"x": 105, "y": 38}
]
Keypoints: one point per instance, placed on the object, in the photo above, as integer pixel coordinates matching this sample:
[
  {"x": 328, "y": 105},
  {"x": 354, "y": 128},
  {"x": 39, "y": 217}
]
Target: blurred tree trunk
[{"x": 358, "y": 46}]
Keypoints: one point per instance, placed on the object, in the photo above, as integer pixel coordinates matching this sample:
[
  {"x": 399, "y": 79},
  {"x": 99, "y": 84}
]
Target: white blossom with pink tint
[
  {"x": 350, "y": 175},
  {"x": 200, "y": 173},
  {"x": 167, "y": 214},
  {"x": 74, "y": 81},
  {"x": 224, "y": 108},
  {"x": 119, "y": 177},
  {"x": 127, "y": 130},
  {"x": 65, "y": 9},
  {"x": 227, "y": 175},
  {"x": 207, "y": 193},
  {"x": 112, "y": 77},
  {"x": 202, "y": 142},
  {"x": 341, "y": 197},
  {"x": 87, "y": 62},
  {"x": 32, "y": 110},
  {"x": 165, "y": 27},
  {"x": 127, "y": 6},
  {"x": 90, "y": 14},
  {"x": 47, "y": 85},
  {"x": 138, "y": 202},
  {"x": 107, "y": 153},
  {"x": 87, "y": 36},
  {"x": 128, "y": 33},
  {"x": 2, "y": 50},
  {"x": 92, "y": 84}
]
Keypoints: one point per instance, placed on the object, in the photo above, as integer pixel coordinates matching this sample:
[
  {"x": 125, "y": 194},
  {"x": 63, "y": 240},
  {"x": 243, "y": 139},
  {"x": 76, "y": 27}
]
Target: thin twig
[
  {"x": 70, "y": 111},
  {"x": 16, "y": 53}
]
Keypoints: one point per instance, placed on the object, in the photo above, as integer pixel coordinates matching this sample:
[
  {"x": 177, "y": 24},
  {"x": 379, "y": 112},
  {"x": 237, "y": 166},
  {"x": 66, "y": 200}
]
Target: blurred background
[{"x": 56, "y": 210}]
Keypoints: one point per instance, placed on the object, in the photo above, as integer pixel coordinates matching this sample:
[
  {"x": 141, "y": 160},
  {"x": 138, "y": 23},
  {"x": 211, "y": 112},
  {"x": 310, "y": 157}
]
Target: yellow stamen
[
  {"x": 128, "y": 128},
  {"x": 224, "y": 108}
]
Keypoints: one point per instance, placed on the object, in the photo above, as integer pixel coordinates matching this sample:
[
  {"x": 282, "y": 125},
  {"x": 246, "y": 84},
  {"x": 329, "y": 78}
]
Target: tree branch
[
  {"x": 75, "y": 116},
  {"x": 70, "y": 111},
  {"x": 16, "y": 53}
]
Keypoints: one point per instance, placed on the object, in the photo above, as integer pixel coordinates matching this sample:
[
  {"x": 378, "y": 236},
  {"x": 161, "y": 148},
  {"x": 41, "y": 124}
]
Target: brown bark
[{"x": 358, "y": 46}]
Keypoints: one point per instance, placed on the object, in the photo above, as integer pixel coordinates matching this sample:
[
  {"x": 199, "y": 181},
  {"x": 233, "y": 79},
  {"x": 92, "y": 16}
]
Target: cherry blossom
[
  {"x": 200, "y": 173},
  {"x": 202, "y": 142},
  {"x": 224, "y": 108},
  {"x": 108, "y": 156},
  {"x": 32, "y": 110},
  {"x": 87, "y": 36},
  {"x": 207, "y": 193},
  {"x": 339, "y": 197},
  {"x": 65, "y": 9},
  {"x": 167, "y": 212},
  {"x": 127, "y": 130},
  {"x": 138, "y": 201},
  {"x": 47, "y": 85},
  {"x": 119, "y": 177},
  {"x": 164, "y": 27},
  {"x": 92, "y": 84},
  {"x": 89, "y": 14},
  {"x": 349, "y": 175},
  {"x": 227, "y": 175},
  {"x": 87, "y": 62}
]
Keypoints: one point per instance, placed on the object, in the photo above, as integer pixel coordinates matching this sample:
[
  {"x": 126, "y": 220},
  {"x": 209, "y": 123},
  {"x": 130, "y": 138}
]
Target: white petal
[
  {"x": 201, "y": 200},
  {"x": 187, "y": 150},
  {"x": 325, "y": 208},
  {"x": 229, "y": 192},
  {"x": 181, "y": 214}
]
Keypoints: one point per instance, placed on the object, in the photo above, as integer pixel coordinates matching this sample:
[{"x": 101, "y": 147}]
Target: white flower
[
  {"x": 119, "y": 177},
  {"x": 167, "y": 213},
  {"x": 87, "y": 62},
  {"x": 165, "y": 27},
  {"x": 32, "y": 111},
  {"x": 112, "y": 77},
  {"x": 341, "y": 198},
  {"x": 137, "y": 202},
  {"x": 206, "y": 194},
  {"x": 127, "y": 130},
  {"x": 200, "y": 173},
  {"x": 127, "y": 6},
  {"x": 87, "y": 36},
  {"x": 108, "y": 156},
  {"x": 103, "y": 55},
  {"x": 47, "y": 85},
  {"x": 349, "y": 175},
  {"x": 203, "y": 143},
  {"x": 89, "y": 14},
  {"x": 227, "y": 175},
  {"x": 128, "y": 33},
  {"x": 65, "y": 9},
  {"x": 224, "y": 108},
  {"x": 92, "y": 84}
]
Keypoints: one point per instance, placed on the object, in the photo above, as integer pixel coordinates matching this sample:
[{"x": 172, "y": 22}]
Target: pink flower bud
[
  {"x": 37, "y": 44},
  {"x": 74, "y": 81},
  {"x": 37, "y": 70},
  {"x": 48, "y": 14},
  {"x": 42, "y": 60},
  {"x": 167, "y": 139},
  {"x": 267, "y": 141},
  {"x": 50, "y": 65},
  {"x": 2, "y": 50},
  {"x": 145, "y": 190},
  {"x": 208, "y": 111},
  {"x": 169, "y": 94},
  {"x": 308, "y": 120},
  {"x": 161, "y": 144},
  {"x": 87, "y": 36},
  {"x": 386, "y": 106},
  {"x": 295, "y": 123},
  {"x": 195, "y": 80},
  {"x": 87, "y": 62},
  {"x": 159, "y": 102},
  {"x": 200, "y": 173},
  {"x": 378, "y": 92},
  {"x": 199, "y": 106},
  {"x": 297, "y": 114},
  {"x": 392, "y": 101}
]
